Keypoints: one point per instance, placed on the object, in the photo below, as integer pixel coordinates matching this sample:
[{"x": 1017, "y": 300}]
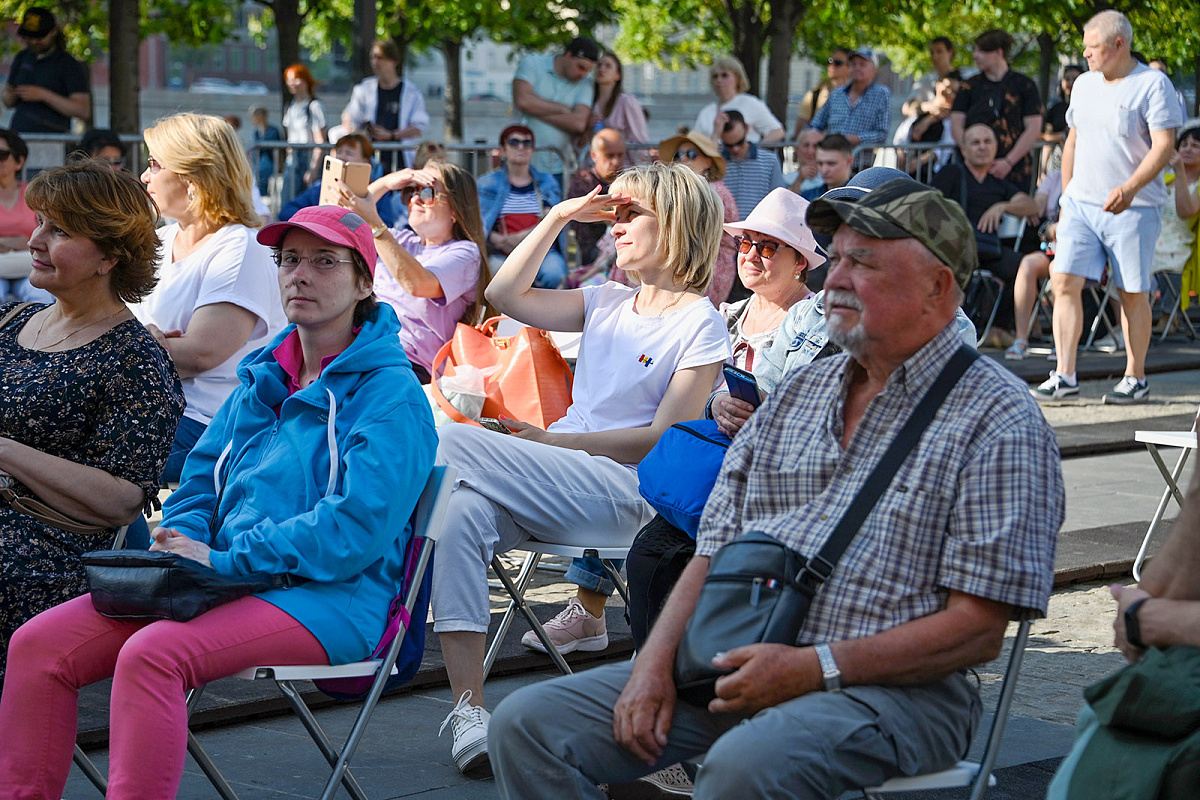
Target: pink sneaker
[{"x": 573, "y": 629}]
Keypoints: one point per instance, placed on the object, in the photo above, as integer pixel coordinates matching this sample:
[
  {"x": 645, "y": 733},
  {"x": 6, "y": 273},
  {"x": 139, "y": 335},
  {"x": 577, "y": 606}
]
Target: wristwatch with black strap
[{"x": 1133, "y": 629}]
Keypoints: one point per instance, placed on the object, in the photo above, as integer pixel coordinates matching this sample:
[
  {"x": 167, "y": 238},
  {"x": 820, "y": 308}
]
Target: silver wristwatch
[{"x": 831, "y": 676}]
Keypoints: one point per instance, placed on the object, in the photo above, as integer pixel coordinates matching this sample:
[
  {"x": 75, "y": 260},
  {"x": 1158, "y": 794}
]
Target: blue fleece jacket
[{"x": 324, "y": 491}]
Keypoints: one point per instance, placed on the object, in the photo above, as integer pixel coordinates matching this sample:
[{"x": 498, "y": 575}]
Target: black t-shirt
[
  {"x": 981, "y": 195},
  {"x": 387, "y": 110},
  {"x": 58, "y": 72},
  {"x": 1002, "y": 105},
  {"x": 1056, "y": 117}
]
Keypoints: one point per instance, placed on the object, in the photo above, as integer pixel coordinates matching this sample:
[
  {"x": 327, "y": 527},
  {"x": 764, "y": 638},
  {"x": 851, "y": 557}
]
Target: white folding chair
[
  {"x": 428, "y": 519},
  {"x": 1186, "y": 440},
  {"x": 977, "y": 775},
  {"x": 516, "y": 591}
]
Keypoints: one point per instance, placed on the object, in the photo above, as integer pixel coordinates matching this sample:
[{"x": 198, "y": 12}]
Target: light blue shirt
[{"x": 547, "y": 84}]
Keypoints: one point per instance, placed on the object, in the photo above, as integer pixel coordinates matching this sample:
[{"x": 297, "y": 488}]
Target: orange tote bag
[{"x": 531, "y": 381}]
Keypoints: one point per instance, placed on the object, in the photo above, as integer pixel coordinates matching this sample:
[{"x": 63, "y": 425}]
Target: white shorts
[{"x": 1089, "y": 238}]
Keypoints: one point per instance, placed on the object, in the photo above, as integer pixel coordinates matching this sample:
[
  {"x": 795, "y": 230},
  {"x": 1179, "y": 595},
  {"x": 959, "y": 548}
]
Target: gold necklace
[
  {"x": 669, "y": 305},
  {"x": 72, "y": 333}
]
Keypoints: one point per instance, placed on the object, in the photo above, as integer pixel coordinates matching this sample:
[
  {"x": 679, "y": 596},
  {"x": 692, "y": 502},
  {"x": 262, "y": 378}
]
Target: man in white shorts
[{"x": 1122, "y": 119}]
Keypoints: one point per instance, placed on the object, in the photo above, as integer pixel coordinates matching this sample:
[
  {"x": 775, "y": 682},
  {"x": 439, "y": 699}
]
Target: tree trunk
[
  {"x": 1196, "y": 99},
  {"x": 362, "y": 38},
  {"x": 124, "y": 83},
  {"x": 1045, "y": 65},
  {"x": 452, "y": 50},
  {"x": 287, "y": 29},
  {"x": 785, "y": 17},
  {"x": 749, "y": 35}
]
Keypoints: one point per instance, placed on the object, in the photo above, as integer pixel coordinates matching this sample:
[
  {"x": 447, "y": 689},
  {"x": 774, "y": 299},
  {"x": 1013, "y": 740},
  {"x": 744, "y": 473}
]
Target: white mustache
[{"x": 842, "y": 298}]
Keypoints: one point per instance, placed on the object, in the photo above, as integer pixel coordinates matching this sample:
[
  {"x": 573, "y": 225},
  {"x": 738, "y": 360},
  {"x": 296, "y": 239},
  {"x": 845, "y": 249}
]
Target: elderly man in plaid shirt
[
  {"x": 860, "y": 110},
  {"x": 961, "y": 542}
]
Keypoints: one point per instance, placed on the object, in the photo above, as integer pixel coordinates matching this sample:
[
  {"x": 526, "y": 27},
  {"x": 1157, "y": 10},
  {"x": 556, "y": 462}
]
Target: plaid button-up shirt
[
  {"x": 976, "y": 506},
  {"x": 869, "y": 118}
]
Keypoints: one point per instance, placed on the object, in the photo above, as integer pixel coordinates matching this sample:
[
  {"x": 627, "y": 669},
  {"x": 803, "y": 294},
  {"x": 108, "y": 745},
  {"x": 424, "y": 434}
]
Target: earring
[{"x": 191, "y": 194}]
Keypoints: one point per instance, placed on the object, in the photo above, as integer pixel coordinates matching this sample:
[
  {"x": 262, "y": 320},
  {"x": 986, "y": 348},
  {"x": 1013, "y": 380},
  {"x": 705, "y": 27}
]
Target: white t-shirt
[
  {"x": 301, "y": 118},
  {"x": 1112, "y": 124},
  {"x": 759, "y": 119},
  {"x": 626, "y": 360},
  {"x": 231, "y": 267}
]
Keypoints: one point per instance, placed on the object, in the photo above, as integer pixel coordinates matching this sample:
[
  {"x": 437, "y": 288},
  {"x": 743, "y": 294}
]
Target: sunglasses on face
[
  {"x": 687, "y": 155},
  {"x": 835, "y": 62},
  {"x": 766, "y": 248},
  {"x": 517, "y": 143},
  {"x": 4, "y": 154},
  {"x": 738, "y": 143},
  {"x": 425, "y": 195}
]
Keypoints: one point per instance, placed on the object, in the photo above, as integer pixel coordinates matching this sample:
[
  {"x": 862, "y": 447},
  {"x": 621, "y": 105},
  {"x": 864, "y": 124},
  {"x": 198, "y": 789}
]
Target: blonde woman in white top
[{"x": 217, "y": 297}]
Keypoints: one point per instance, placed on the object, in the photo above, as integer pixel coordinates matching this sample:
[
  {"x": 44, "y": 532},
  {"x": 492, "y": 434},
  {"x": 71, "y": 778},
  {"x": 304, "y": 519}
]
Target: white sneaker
[
  {"x": 470, "y": 736},
  {"x": 573, "y": 629},
  {"x": 671, "y": 780},
  {"x": 1056, "y": 388},
  {"x": 1129, "y": 391}
]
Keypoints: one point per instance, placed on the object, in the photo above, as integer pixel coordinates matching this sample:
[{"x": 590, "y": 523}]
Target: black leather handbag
[
  {"x": 150, "y": 585},
  {"x": 759, "y": 590}
]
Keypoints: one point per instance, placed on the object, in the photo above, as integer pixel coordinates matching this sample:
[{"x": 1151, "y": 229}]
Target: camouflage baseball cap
[{"x": 905, "y": 209}]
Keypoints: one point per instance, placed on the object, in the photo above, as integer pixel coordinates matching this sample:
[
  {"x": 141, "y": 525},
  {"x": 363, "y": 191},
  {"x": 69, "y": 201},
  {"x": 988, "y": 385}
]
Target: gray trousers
[{"x": 555, "y": 739}]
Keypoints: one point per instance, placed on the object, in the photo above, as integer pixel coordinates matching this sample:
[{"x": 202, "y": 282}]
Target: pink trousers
[{"x": 152, "y": 665}]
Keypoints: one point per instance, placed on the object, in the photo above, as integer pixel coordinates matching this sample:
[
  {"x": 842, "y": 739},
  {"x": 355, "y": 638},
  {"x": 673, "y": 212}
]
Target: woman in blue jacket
[
  {"x": 513, "y": 199},
  {"x": 311, "y": 468}
]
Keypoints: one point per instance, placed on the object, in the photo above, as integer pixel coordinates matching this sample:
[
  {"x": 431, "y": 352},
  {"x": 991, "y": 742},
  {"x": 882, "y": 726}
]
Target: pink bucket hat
[
  {"x": 334, "y": 224},
  {"x": 781, "y": 215}
]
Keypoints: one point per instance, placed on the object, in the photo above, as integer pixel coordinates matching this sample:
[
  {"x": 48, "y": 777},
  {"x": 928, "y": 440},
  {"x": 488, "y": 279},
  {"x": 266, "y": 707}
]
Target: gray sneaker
[
  {"x": 1128, "y": 392},
  {"x": 672, "y": 780}
]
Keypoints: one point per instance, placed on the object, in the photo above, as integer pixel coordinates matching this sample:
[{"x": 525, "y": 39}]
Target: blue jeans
[
  {"x": 186, "y": 436},
  {"x": 137, "y": 537},
  {"x": 551, "y": 274},
  {"x": 590, "y": 574}
]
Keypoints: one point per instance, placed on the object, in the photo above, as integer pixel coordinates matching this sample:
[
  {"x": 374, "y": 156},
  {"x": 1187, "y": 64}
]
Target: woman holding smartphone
[
  {"x": 435, "y": 268},
  {"x": 648, "y": 358}
]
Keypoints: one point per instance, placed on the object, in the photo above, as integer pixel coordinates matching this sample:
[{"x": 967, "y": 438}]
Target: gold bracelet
[{"x": 379, "y": 232}]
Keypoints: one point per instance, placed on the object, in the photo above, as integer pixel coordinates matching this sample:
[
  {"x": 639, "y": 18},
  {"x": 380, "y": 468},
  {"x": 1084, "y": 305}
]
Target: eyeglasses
[
  {"x": 766, "y": 248},
  {"x": 835, "y": 62},
  {"x": 4, "y": 154},
  {"x": 425, "y": 195},
  {"x": 738, "y": 143},
  {"x": 152, "y": 164},
  {"x": 519, "y": 143},
  {"x": 289, "y": 261},
  {"x": 690, "y": 154},
  {"x": 115, "y": 163}
]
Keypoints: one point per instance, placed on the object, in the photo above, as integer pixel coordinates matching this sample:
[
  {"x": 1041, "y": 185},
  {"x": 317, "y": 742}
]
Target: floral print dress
[{"x": 113, "y": 404}]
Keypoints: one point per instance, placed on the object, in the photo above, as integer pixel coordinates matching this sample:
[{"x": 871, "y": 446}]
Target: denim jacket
[
  {"x": 493, "y": 191},
  {"x": 802, "y": 337}
]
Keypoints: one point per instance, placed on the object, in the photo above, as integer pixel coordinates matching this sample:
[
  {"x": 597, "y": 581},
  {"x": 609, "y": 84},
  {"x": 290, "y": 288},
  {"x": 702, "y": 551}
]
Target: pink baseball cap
[{"x": 334, "y": 224}]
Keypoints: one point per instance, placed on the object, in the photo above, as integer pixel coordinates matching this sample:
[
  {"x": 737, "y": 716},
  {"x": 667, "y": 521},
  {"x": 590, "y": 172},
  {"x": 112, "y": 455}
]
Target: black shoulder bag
[{"x": 759, "y": 590}]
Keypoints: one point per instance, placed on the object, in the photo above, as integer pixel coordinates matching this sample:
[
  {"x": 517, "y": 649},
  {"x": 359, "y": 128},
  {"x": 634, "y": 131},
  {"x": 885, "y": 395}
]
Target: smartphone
[
  {"x": 356, "y": 176},
  {"x": 742, "y": 385},
  {"x": 493, "y": 424}
]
